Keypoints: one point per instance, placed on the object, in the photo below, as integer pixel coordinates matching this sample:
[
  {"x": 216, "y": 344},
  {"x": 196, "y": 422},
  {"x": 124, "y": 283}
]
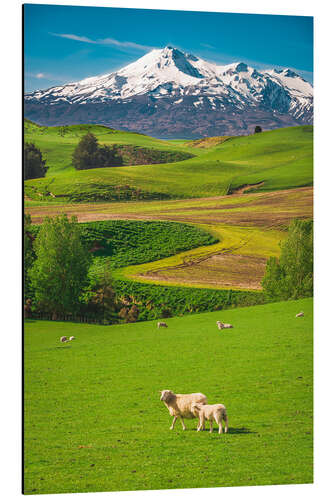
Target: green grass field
[
  {"x": 94, "y": 422},
  {"x": 280, "y": 159}
]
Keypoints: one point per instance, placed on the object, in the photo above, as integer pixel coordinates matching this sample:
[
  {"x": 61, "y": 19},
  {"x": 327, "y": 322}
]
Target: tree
[
  {"x": 88, "y": 154},
  {"x": 292, "y": 275},
  {"x": 258, "y": 129},
  {"x": 29, "y": 254},
  {"x": 101, "y": 297},
  {"x": 59, "y": 273},
  {"x": 34, "y": 165}
]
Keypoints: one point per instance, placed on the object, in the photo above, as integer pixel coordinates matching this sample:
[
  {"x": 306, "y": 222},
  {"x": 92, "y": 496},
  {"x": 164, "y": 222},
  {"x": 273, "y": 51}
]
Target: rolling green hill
[
  {"x": 278, "y": 159},
  {"x": 94, "y": 421}
]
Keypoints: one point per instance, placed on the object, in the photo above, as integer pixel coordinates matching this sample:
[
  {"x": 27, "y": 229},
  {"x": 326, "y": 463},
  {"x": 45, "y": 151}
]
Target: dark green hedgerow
[
  {"x": 156, "y": 301},
  {"x": 135, "y": 155}
]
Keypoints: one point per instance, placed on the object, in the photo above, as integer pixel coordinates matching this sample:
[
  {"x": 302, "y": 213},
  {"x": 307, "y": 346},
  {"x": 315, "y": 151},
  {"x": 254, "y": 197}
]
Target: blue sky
[{"x": 64, "y": 44}]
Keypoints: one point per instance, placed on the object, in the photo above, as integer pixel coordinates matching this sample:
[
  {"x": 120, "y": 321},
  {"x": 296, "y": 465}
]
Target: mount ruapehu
[{"x": 171, "y": 94}]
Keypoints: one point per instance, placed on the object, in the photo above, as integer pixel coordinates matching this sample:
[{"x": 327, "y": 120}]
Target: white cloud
[{"x": 104, "y": 41}]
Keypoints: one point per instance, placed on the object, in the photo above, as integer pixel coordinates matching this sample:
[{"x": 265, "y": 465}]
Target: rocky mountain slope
[{"x": 170, "y": 94}]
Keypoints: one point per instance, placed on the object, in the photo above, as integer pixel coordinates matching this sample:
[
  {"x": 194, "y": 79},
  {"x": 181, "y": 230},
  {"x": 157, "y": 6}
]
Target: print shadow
[
  {"x": 239, "y": 430},
  {"x": 231, "y": 430}
]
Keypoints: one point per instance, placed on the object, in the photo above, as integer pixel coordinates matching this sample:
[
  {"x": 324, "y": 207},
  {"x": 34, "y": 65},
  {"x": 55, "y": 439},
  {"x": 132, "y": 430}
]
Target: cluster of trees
[
  {"x": 34, "y": 165},
  {"x": 57, "y": 278},
  {"x": 291, "y": 276},
  {"x": 89, "y": 154}
]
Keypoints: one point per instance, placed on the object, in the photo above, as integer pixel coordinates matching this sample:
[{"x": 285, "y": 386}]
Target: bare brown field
[
  {"x": 267, "y": 209},
  {"x": 221, "y": 270},
  {"x": 249, "y": 227}
]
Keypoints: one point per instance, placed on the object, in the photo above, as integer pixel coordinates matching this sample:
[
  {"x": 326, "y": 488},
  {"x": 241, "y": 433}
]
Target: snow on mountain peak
[
  {"x": 173, "y": 74},
  {"x": 293, "y": 82}
]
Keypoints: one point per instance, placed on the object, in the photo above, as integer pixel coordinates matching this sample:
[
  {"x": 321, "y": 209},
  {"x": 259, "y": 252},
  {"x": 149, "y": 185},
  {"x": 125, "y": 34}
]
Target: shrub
[{"x": 88, "y": 154}]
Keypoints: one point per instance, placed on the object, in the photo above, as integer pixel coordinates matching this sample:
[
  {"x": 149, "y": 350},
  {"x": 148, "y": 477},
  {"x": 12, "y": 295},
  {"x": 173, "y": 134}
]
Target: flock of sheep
[
  {"x": 220, "y": 325},
  {"x": 194, "y": 405}
]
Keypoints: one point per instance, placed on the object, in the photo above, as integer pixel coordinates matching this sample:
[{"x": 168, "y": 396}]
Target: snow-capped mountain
[{"x": 168, "y": 93}]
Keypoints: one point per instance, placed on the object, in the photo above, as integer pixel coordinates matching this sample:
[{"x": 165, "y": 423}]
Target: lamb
[
  {"x": 161, "y": 323},
  {"x": 72, "y": 338},
  {"x": 63, "y": 339},
  {"x": 215, "y": 412},
  {"x": 179, "y": 405},
  {"x": 300, "y": 314},
  {"x": 221, "y": 325}
]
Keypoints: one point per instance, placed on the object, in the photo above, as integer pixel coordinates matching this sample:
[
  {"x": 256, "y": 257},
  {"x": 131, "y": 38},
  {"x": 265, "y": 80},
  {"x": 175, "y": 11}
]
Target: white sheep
[
  {"x": 300, "y": 314},
  {"x": 72, "y": 338},
  {"x": 215, "y": 412},
  {"x": 221, "y": 325},
  {"x": 179, "y": 405},
  {"x": 162, "y": 324},
  {"x": 63, "y": 339}
]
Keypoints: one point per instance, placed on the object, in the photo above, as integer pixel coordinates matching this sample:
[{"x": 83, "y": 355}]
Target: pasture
[
  {"x": 94, "y": 422},
  {"x": 277, "y": 159}
]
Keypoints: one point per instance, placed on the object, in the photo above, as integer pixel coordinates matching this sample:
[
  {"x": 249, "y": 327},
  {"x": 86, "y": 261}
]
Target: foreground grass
[{"x": 94, "y": 422}]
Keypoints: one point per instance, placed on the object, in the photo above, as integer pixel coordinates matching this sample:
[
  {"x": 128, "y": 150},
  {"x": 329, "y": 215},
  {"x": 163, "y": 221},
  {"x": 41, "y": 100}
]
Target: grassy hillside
[
  {"x": 279, "y": 159},
  {"x": 58, "y": 143},
  {"x": 94, "y": 422}
]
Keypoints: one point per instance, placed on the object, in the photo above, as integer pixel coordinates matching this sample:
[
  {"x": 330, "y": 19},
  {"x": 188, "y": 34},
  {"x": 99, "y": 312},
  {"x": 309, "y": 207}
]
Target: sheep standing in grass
[
  {"x": 216, "y": 412},
  {"x": 162, "y": 324},
  {"x": 221, "y": 325},
  {"x": 300, "y": 314},
  {"x": 72, "y": 338},
  {"x": 179, "y": 405},
  {"x": 63, "y": 339}
]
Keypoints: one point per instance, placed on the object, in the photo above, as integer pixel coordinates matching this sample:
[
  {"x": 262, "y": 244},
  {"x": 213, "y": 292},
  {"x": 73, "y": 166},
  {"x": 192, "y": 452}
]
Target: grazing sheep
[
  {"x": 221, "y": 325},
  {"x": 161, "y": 323},
  {"x": 216, "y": 412},
  {"x": 300, "y": 314},
  {"x": 179, "y": 405},
  {"x": 72, "y": 338},
  {"x": 63, "y": 339}
]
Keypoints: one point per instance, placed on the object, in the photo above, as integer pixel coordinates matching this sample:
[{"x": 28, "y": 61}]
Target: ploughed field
[
  {"x": 94, "y": 422},
  {"x": 248, "y": 228}
]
